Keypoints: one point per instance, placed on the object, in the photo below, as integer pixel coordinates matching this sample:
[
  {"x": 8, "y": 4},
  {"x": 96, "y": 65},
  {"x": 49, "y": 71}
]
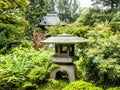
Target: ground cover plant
[
  {"x": 24, "y": 68},
  {"x": 81, "y": 85}
]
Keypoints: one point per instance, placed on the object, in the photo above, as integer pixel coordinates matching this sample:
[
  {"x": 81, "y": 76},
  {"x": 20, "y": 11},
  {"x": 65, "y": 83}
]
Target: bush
[
  {"x": 36, "y": 40},
  {"x": 115, "y": 22},
  {"x": 9, "y": 35},
  {"x": 114, "y": 88},
  {"x": 100, "y": 63},
  {"x": 81, "y": 85},
  {"x": 93, "y": 16},
  {"x": 76, "y": 29},
  {"x": 52, "y": 84},
  {"x": 24, "y": 68}
]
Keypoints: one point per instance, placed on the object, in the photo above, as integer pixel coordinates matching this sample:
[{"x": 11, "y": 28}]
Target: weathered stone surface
[
  {"x": 64, "y": 54},
  {"x": 64, "y": 59},
  {"x": 70, "y": 69},
  {"x": 64, "y": 39}
]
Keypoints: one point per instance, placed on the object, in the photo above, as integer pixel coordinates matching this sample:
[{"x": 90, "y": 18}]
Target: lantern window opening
[{"x": 64, "y": 49}]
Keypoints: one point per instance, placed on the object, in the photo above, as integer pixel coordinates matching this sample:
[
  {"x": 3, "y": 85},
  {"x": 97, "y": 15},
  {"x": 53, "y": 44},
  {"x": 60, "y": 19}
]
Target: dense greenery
[
  {"x": 66, "y": 9},
  {"x": 27, "y": 66},
  {"x": 94, "y": 15},
  {"x": 115, "y": 88},
  {"x": 81, "y": 85},
  {"x": 115, "y": 22},
  {"x": 24, "y": 68},
  {"x": 113, "y": 5},
  {"x": 12, "y": 23},
  {"x": 76, "y": 29},
  {"x": 100, "y": 62},
  {"x": 35, "y": 10},
  {"x": 99, "y": 59}
]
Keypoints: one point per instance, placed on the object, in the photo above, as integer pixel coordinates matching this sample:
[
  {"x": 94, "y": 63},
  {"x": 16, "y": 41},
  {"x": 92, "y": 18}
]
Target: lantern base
[{"x": 69, "y": 69}]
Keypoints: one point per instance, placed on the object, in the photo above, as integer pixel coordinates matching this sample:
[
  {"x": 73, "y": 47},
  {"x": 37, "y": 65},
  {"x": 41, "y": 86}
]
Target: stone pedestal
[{"x": 70, "y": 69}]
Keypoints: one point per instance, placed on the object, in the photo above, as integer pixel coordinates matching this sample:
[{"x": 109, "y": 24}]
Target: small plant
[
  {"x": 81, "y": 85},
  {"x": 36, "y": 40},
  {"x": 114, "y": 88},
  {"x": 52, "y": 84}
]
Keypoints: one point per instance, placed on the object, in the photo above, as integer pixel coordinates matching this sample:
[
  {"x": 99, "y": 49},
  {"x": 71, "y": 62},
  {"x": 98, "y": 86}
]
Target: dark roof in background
[{"x": 51, "y": 20}]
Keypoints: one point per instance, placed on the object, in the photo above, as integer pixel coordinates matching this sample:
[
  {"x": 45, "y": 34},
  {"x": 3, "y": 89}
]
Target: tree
[
  {"x": 115, "y": 22},
  {"x": 66, "y": 9},
  {"x": 50, "y": 6},
  {"x": 34, "y": 12},
  {"x": 12, "y": 22},
  {"x": 93, "y": 15},
  {"x": 112, "y": 4}
]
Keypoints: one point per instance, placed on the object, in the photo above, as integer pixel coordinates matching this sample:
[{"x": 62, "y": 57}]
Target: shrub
[
  {"x": 100, "y": 62},
  {"x": 114, "y": 88},
  {"x": 9, "y": 35},
  {"x": 36, "y": 40},
  {"x": 81, "y": 85},
  {"x": 76, "y": 29},
  {"x": 115, "y": 22},
  {"x": 54, "y": 85},
  {"x": 24, "y": 68}
]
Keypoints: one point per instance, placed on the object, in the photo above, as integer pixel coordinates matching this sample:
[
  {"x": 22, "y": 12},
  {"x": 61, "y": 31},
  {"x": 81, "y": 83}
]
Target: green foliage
[
  {"x": 99, "y": 59},
  {"x": 113, "y": 5},
  {"x": 79, "y": 70},
  {"x": 66, "y": 9},
  {"x": 12, "y": 23},
  {"x": 52, "y": 84},
  {"x": 76, "y": 29},
  {"x": 35, "y": 10},
  {"x": 50, "y": 6},
  {"x": 6, "y": 6},
  {"x": 9, "y": 34},
  {"x": 24, "y": 68},
  {"x": 115, "y": 22},
  {"x": 81, "y": 85},
  {"x": 29, "y": 86},
  {"x": 100, "y": 62},
  {"x": 114, "y": 88},
  {"x": 94, "y": 15}
]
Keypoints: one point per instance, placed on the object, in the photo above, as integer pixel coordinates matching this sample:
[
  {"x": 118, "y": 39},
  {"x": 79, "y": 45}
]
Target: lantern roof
[{"x": 64, "y": 39}]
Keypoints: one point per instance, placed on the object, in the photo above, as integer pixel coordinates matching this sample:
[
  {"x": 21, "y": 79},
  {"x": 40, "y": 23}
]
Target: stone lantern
[{"x": 64, "y": 54}]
